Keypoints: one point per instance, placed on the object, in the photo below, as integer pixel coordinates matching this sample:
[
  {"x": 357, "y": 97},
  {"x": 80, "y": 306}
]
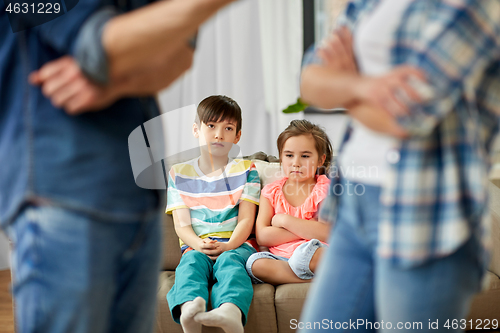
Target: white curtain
[{"x": 251, "y": 52}]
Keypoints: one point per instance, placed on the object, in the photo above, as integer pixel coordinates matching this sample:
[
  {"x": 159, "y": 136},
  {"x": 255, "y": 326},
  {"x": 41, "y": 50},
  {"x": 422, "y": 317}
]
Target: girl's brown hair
[{"x": 304, "y": 127}]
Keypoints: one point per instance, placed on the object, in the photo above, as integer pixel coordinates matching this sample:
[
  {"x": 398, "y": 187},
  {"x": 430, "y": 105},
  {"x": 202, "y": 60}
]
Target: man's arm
[
  {"x": 130, "y": 40},
  {"x": 67, "y": 87},
  {"x": 159, "y": 74},
  {"x": 133, "y": 54}
]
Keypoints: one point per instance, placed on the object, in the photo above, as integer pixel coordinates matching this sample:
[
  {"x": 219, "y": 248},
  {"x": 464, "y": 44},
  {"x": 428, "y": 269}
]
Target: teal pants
[{"x": 196, "y": 272}]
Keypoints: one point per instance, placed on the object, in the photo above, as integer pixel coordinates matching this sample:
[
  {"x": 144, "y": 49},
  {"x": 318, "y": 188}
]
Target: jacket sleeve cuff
[{"x": 89, "y": 51}]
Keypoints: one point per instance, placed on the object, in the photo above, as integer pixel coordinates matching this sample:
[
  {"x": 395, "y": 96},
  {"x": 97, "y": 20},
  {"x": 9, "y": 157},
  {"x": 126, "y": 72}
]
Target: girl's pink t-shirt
[{"x": 308, "y": 210}]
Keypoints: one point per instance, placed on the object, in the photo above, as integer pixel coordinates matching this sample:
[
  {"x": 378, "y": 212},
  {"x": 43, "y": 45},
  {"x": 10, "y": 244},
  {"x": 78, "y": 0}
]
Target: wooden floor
[{"x": 6, "y": 316}]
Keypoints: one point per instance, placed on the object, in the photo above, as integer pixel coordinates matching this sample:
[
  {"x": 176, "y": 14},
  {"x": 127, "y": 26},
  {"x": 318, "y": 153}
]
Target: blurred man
[{"x": 86, "y": 237}]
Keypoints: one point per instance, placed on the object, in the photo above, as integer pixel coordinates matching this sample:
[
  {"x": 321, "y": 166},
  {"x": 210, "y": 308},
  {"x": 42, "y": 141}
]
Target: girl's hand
[
  {"x": 278, "y": 220},
  {"x": 337, "y": 52},
  {"x": 392, "y": 92}
]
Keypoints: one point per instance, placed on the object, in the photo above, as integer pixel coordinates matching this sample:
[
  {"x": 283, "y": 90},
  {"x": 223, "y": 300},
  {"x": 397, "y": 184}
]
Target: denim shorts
[{"x": 298, "y": 262}]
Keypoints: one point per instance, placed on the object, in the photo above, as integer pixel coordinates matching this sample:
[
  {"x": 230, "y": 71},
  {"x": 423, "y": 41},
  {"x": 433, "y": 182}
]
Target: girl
[{"x": 287, "y": 220}]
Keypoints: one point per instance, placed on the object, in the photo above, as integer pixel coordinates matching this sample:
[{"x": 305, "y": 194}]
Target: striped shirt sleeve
[
  {"x": 251, "y": 191},
  {"x": 174, "y": 200}
]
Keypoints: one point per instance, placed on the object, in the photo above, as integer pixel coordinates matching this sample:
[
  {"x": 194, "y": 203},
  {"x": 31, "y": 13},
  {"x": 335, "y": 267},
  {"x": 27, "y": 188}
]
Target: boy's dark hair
[
  {"x": 305, "y": 127},
  {"x": 218, "y": 108}
]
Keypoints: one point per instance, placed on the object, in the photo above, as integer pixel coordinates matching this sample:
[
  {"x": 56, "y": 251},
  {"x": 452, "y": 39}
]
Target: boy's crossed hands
[{"x": 212, "y": 248}]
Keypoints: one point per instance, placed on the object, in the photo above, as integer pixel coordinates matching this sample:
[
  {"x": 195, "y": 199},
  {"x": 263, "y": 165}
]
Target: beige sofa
[{"x": 273, "y": 308}]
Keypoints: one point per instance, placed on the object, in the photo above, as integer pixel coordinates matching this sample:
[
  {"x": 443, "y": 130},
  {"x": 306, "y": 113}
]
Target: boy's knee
[
  {"x": 194, "y": 256},
  {"x": 227, "y": 255},
  {"x": 230, "y": 256}
]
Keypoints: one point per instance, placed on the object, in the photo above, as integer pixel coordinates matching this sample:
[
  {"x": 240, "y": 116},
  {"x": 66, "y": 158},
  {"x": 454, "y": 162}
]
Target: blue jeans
[
  {"x": 356, "y": 290},
  {"x": 74, "y": 273}
]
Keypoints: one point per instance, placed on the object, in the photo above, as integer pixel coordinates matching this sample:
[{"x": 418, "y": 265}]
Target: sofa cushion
[
  {"x": 485, "y": 306},
  {"x": 268, "y": 172},
  {"x": 261, "y": 316},
  {"x": 289, "y": 300},
  {"x": 262, "y": 313}
]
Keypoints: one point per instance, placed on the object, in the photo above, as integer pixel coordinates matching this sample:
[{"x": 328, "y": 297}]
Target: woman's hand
[
  {"x": 392, "y": 92},
  {"x": 337, "y": 52}
]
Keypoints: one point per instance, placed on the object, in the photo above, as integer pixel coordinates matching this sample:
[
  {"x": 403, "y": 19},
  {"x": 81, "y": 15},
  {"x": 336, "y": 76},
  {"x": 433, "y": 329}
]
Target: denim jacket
[{"x": 48, "y": 157}]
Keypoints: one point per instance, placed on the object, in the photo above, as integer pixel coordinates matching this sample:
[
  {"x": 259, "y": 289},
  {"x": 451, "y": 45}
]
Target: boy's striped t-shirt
[{"x": 213, "y": 201}]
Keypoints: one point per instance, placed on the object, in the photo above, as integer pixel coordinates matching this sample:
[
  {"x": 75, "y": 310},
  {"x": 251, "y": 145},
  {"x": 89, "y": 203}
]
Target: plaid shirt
[{"x": 435, "y": 196}]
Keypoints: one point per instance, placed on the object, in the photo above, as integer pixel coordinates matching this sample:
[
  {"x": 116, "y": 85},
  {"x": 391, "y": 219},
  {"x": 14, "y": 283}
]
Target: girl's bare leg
[
  {"x": 313, "y": 264},
  {"x": 275, "y": 272}
]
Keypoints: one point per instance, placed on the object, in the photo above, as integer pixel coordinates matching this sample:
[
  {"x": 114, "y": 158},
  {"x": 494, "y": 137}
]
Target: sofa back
[
  {"x": 495, "y": 224},
  {"x": 268, "y": 173}
]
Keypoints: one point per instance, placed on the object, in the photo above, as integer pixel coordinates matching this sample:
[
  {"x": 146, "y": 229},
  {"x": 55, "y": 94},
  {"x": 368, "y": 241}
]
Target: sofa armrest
[
  {"x": 495, "y": 226},
  {"x": 171, "y": 248}
]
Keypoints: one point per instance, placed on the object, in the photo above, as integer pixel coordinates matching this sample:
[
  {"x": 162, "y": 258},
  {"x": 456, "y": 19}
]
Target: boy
[{"x": 213, "y": 201}]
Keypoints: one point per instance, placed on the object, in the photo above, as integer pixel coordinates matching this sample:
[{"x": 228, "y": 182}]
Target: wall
[
  {"x": 333, "y": 124},
  {"x": 4, "y": 252}
]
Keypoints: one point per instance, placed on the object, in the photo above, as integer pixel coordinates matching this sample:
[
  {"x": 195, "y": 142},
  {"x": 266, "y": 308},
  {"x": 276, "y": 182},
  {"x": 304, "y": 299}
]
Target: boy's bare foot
[
  {"x": 227, "y": 316},
  {"x": 188, "y": 311}
]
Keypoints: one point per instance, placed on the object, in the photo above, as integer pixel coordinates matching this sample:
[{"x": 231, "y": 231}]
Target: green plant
[{"x": 297, "y": 107}]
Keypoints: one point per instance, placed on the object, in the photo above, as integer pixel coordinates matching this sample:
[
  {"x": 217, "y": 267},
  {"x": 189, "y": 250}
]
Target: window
[{"x": 319, "y": 18}]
